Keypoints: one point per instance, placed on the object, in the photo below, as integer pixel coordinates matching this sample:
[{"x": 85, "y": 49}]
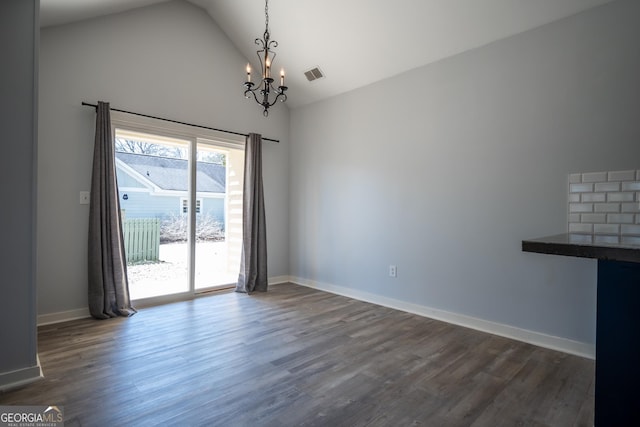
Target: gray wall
[
  {"x": 168, "y": 60},
  {"x": 18, "y": 116},
  {"x": 445, "y": 169}
]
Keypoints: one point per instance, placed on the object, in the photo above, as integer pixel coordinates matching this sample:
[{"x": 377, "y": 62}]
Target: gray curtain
[
  {"x": 253, "y": 264},
  {"x": 108, "y": 284}
]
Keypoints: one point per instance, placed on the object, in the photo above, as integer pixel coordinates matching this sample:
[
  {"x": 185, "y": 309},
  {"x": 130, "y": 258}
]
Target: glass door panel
[
  {"x": 153, "y": 186},
  {"x": 218, "y": 237}
]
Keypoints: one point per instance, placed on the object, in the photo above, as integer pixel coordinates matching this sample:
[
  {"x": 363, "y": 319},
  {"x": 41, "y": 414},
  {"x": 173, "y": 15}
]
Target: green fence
[{"x": 141, "y": 239}]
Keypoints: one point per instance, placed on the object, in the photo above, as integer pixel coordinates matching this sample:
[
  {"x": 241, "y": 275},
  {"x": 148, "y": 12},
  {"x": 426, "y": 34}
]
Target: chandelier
[{"x": 265, "y": 89}]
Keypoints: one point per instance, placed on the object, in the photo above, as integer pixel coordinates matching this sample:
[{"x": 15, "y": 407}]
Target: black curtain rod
[{"x": 178, "y": 122}]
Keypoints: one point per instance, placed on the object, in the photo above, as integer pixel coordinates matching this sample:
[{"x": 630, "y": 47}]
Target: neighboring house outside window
[
  {"x": 156, "y": 187},
  {"x": 184, "y": 205}
]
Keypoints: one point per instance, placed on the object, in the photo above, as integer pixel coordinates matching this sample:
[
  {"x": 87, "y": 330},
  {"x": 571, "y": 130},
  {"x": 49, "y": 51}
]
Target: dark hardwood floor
[{"x": 299, "y": 357}]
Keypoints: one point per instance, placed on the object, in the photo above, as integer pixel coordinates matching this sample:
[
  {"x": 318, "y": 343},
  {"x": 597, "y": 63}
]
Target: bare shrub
[
  {"x": 174, "y": 229},
  {"x": 208, "y": 229}
]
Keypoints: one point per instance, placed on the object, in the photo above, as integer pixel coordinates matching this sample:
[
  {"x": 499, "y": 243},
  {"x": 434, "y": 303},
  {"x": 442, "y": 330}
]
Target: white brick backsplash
[
  {"x": 620, "y": 218},
  {"x": 630, "y": 229},
  {"x": 594, "y": 177},
  {"x": 606, "y": 228},
  {"x": 580, "y": 188},
  {"x": 605, "y": 204},
  {"x": 580, "y": 228},
  {"x": 620, "y": 197},
  {"x": 580, "y": 207},
  {"x": 606, "y": 207},
  {"x": 575, "y": 178},
  {"x": 604, "y": 238},
  {"x": 593, "y": 218},
  {"x": 630, "y": 240},
  {"x": 622, "y": 175},
  {"x": 607, "y": 186},
  {"x": 631, "y": 186},
  {"x": 593, "y": 197}
]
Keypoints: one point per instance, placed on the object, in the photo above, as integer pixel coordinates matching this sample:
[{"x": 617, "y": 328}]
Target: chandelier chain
[{"x": 266, "y": 16}]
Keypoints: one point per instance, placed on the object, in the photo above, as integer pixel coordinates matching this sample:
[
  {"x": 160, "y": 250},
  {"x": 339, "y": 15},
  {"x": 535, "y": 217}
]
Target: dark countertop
[{"x": 615, "y": 248}]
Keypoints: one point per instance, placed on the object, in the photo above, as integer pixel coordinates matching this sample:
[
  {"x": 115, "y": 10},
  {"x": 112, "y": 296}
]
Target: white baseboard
[
  {"x": 531, "y": 337},
  {"x": 63, "y": 316},
  {"x": 278, "y": 280},
  {"x": 20, "y": 377},
  {"x": 83, "y": 313}
]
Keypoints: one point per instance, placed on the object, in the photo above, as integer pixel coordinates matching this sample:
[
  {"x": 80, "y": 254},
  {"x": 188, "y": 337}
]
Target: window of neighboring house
[{"x": 184, "y": 205}]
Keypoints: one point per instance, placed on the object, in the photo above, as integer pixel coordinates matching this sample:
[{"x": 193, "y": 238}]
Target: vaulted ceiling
[{"x": 354, "y": 42}]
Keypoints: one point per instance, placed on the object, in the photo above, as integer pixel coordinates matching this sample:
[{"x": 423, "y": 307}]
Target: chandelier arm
[
  {"x": 280, "y": 94},
  {"x": 252, "y": 92}
]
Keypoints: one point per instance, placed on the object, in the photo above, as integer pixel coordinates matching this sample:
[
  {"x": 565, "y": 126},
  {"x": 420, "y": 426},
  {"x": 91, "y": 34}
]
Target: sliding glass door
[
  {"x": 218, "y": 232},
  {"x": 181, "y": 206}
]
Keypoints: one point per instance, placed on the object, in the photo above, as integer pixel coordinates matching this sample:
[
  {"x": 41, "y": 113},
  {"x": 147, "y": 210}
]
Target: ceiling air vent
[{"x": 313, "y": 74}]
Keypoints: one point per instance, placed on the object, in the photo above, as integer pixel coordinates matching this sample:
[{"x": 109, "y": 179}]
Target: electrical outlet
[
  {"x": 84, "y": 197},
  {"x": 393, "y": 271}
]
